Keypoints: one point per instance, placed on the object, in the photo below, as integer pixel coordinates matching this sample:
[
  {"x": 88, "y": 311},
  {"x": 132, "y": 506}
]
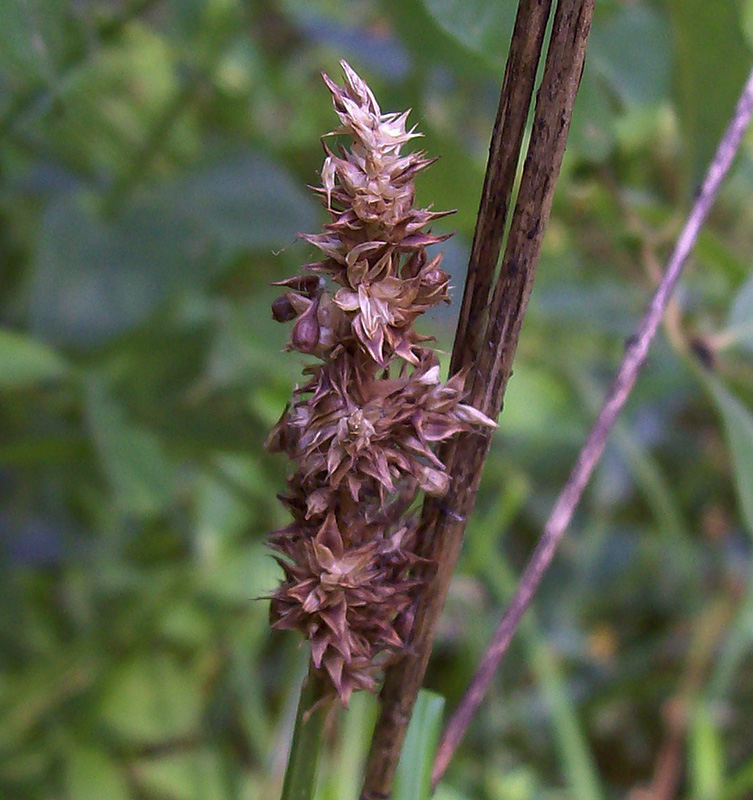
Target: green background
[{"x": 153, "y": 163}]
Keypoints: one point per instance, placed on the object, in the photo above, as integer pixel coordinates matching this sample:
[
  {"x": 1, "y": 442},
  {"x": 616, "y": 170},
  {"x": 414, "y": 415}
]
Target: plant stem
[
  {"x": 300, "y": 775},
  {"x": 504, "y": 155},
  {"x": 488, "y": 332},
  {"x": 589, "y": 456}
]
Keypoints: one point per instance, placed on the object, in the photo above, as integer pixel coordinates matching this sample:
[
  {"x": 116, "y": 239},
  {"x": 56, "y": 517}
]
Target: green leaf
[
  {"x": 592, "y": 128},
  {"x": 152, "y": 698},
  {"x": 343, "y": 770},
  {"x": 35, "y": 694},
  {"x": 183, "y": 776},
  {"x": 711, "y": 65},
  {"x": 24, "y": 361},
  {"x": 577, "y": 761},
  {"x": 483, "y": 27},
  {"x": 740, "y": 320},
  {"x": 706, "y": 756},
  {"x": 537, "y": 407},
  {"x": 628, "y": 59},
  {"x": 112, "y": 98},
  {"x": 32, "y": 37},
  {"x": 733, "y": 650},
  {"x": 631, "y": 50},
  {"x": 445, "y": 792},
  {"x": 95, "y": 278},
  {"x": 133, "y": 459},
  {"x": 738, "y": 422},
  {"x": 221, "y": 510},
  {"x": 90, "y": 774},
  {"x": 246, "y": 202},
  {"x": 714, "y": 249},
  {"x": 740, "y": 785},
  {"x": 186, "y": 624},
  {"x": 243, "y": 347},
  {"x": 413, "y": 777},
  {"x": 521, "y": 783},
  {"x": 241, "y": 575},
  {"x": 747, "y": 21},
  {"x": 431, "y": 41},
  {"x": 455, "y": 181}
]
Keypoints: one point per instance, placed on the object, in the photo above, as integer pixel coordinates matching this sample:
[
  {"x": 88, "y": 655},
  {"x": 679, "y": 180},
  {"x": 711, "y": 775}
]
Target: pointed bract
[{"x": 362, "y": 428}]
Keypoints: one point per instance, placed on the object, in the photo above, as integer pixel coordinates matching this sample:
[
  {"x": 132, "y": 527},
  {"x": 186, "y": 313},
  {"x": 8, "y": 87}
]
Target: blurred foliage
[{"x": 154, "y": 155}]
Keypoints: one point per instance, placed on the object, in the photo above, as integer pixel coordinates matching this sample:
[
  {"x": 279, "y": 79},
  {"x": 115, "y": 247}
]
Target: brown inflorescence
[{"x": 362, "y": 429}]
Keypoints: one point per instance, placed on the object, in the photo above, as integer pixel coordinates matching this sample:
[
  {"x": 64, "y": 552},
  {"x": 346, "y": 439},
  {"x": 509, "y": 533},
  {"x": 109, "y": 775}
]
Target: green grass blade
[
  {"x": 740, "y": 785},
  {"x": 413, "y": 777},
  {"x": 300, "y": 776},
  {"x": 341, "y": 772},
  {"x": 578, "y": 762},
  {"x": 738, "y": 423},
  {"x": 706, "y": 755}
]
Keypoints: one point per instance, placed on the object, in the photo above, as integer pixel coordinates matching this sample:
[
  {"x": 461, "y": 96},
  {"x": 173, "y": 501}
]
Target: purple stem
[{"x": 635, "y": 357}]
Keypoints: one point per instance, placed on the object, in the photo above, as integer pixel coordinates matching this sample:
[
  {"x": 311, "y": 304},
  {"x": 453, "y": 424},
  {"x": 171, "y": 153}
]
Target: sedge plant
[{"x": 361, "y": 430}]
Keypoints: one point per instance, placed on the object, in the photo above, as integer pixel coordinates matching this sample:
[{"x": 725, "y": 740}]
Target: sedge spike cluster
[{"x": 362, "y": 429}]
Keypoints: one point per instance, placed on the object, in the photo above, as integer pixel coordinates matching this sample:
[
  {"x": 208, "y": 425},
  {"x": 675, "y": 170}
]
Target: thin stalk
[
  {"x": 564, "y": 507},
  {"x": 300, "y": 775},
  {"x": 488, "y": 331},
  {"x": 504, "y": 154}
]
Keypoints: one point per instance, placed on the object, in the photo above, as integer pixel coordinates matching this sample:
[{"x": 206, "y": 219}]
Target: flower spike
[{"x": 361, "y": 431}]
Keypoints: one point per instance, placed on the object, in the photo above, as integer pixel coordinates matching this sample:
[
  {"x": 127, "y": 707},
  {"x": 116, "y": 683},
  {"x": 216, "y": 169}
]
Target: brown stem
[
  {"x": 443, "y": 522},
  {"x": 504, "y": 154},
  {"x": 619, "y": 391}
]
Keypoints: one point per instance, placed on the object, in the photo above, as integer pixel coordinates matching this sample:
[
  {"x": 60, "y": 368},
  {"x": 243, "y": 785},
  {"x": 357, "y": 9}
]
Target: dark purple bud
[
  {"x": 282, "y": 309},
  {"x": 305, "y": 335}
]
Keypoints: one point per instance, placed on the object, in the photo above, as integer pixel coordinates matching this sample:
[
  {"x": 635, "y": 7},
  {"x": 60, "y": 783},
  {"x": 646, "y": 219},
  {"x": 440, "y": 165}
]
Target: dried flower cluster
[{"x": 361, "y": 429}]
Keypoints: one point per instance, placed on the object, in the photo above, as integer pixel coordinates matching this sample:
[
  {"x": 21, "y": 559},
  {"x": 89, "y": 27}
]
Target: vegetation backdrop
[{"x": 154, "y": 156}]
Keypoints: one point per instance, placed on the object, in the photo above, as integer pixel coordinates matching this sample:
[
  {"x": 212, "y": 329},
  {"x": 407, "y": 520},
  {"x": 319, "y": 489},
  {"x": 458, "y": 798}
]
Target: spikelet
[{"x": 361, "y": 430}]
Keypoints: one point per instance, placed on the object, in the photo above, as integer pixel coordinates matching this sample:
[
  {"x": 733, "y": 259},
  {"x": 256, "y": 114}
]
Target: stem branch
[
  {"x": 619, "y": 391},
  {"x": 488, "y": 331}
]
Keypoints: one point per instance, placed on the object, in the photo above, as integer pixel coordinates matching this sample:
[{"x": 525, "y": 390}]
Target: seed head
[{"x": 362, "y": 429}]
